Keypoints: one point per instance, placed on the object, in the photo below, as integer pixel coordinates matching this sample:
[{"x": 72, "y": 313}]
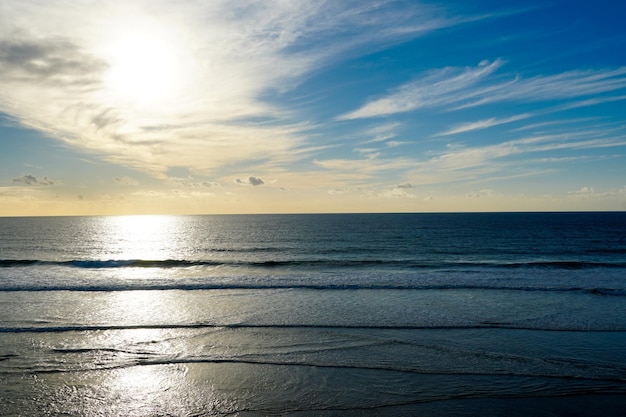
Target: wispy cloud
[
  {"x": 509, "y": 158},
  {"x": 367, "y": 166},
  {"x": 382, "y": 132},
  {"x": 482, "y": 124},
  {"x": 567, "y": 85},
  {"x": 65, "y": 71},
  {"x": 436, "y": 88},
  {"x": 592, "y": 102},
  {"x": 551, "y": 123},
  {"x": 457, "y": 88}
]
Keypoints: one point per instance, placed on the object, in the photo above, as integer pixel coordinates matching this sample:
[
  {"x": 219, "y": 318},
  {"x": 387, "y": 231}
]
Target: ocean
[{"x": 484, "y": 314}]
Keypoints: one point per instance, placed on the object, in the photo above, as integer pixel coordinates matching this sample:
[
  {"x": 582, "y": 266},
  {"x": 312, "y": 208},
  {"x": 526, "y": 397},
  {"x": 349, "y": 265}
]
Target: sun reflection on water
[
  {"x": 143, "y": 381},
  {"x": 144, "y": 309},
  {"x": 146, "y": 237}
]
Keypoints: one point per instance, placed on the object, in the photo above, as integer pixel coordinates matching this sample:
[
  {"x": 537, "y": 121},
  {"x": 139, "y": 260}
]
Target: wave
[
  {"x": 110, "y": 263},
  {"x": 140, "y": 285},
  {"x": 148, "y": 359},
  {"x": 183, "y": 326},
  {"x": 320, "y": 263}
]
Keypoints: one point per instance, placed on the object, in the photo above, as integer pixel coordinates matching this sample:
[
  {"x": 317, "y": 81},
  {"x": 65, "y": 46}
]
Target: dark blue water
[{"x": 360, "y": 314}]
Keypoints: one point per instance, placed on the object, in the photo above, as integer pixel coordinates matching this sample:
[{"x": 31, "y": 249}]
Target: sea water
[{"x": 503, "y": 314}]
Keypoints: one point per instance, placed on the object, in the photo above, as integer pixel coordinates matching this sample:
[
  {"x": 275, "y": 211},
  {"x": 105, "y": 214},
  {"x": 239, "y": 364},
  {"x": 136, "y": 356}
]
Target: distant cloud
[
  {"x": 399, "y": 191},
  {"x": 125, "y": 181},
  {"x": 584, "y": 191},
  {"x": 404, "y": 186},
  {"x": 191, "y": 182},
  {"x": 480, "y": 194},
  {"x": 253, "y": 181},
  {"x": 32, "y": 180},
  {"x": 337, "y": 191}
]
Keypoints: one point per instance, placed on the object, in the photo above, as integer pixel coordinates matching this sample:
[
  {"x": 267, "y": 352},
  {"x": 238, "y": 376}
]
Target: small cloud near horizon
[
  {"x": 125, "y": 181},
  {"x": 29, "y": 179},
  {"x": 253, "y": 181}
]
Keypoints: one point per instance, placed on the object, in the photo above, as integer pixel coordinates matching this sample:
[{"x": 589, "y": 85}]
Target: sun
[
  {"x": 146, "y": 60},
  {"x": 142, "y": 68}
]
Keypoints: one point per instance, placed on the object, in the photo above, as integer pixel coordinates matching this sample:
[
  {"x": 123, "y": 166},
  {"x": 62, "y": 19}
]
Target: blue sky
[{"x": 311, "y": 106}]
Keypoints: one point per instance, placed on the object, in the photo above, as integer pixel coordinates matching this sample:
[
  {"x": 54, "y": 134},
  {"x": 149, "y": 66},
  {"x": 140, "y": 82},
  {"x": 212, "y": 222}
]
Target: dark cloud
[
  {"x": 32, "y": 180},
  {"x": 253, "y": 181},
  {"x": 48, "y": 61},
  {"x": 404, "y": 186}
]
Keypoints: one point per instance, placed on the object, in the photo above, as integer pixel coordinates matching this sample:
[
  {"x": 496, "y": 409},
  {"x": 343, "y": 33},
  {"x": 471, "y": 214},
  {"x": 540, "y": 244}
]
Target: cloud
[
  {"x": 190, "y": 182},
  {"x": 364, "y": 167},
  {"x": 49, "y": 61},
  {"x": 394, "y": 143},
  {"x": 383, "y": 132},
  {"x": 253, "y": 181},
  {"x": 591, "y": 102},
  {"x": 32, "y": 180},
  {"x": 584, "y": 191},
  {"x": 570, "y": 84},
  {"x": 463, "y": 87},
  {"x": 206, "y": 101},
  {"x": 399, "y": 191},
  {"x": 436, "y": 88},
  {"x": 480, "y": 194},
  {"x": 337, "y": 191},
  {"x": 125, "y": 181},
  {"x": 509, "y": 158},
  {"x": 482, "y": 124},
  {"x": 570, "y": 121}
]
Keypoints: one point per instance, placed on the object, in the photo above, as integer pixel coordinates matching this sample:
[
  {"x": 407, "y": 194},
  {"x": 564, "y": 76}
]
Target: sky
[{"x": 298, "y": 106}]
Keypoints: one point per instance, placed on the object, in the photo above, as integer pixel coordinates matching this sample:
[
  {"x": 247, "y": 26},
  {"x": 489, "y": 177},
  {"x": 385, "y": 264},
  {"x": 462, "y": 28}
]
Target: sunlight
[
  {"x": 148, "y": 237},
  {"x": 148, "y": 61},
  {"x": 143, "y": 67}
]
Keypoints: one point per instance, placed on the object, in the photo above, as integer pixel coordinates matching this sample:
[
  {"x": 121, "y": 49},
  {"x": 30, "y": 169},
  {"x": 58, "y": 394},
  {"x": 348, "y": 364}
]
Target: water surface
[{"x": 380, "y": 314}]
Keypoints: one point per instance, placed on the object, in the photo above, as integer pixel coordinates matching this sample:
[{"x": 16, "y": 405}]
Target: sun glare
[
  {"x": 142, "y": 68},
  {"x": 142, "y": 237},
  {"x": 147, "y": 60}
]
